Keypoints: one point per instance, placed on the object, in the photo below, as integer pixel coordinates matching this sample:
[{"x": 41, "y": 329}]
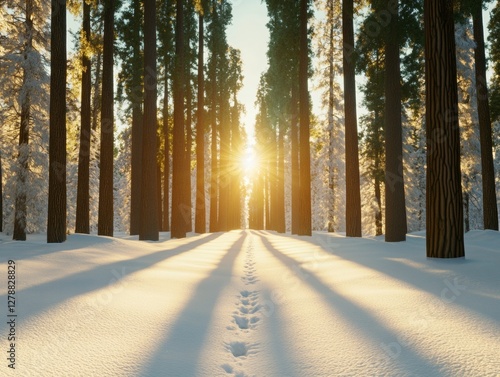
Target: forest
[{"x": 132, "y": 122}]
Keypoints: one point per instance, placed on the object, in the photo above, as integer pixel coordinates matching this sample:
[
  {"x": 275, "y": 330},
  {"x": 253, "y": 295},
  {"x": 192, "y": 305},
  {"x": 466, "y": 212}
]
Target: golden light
[{"x": 249, "y": 162}]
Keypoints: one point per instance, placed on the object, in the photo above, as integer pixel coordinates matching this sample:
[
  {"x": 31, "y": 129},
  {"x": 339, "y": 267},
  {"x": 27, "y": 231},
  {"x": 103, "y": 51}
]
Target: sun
[{"x": 249, "y": 162}]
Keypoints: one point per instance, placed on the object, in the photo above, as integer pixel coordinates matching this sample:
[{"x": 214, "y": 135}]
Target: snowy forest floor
[{"x": 251, "y": 303}]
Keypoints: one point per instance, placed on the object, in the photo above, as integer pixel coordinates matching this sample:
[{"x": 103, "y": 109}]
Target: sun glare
[{"x": 249, "y": 162}]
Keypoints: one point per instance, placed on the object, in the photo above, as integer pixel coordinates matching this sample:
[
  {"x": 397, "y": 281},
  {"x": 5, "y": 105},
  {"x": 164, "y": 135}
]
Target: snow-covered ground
[{"x": 250, "y": 303}]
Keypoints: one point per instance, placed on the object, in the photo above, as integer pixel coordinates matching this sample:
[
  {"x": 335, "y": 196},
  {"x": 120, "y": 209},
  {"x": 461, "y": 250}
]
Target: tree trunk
[
  {"x": 23, "y": 153},
  {"x": 200, "y": 216},
  {"x": 490, "y": 209},
  {"x": 149, "y": 193},
  {"x": 395, "y": 206},
  {"x": 56, "y": 219},
  {"x": 189, "y": 146},
  {"x": 214, "y": 174},
  {"x": 331, "y": 129},
  {"x": 166, "y": 161},
  {"x": 445, "y": 236},
  {"x": 294, "y": 140},
  {"x": 137, "y": 124},
  {"x": 179, "y": 219},
  {"x": 82, "y": 198},
  {"x": 305, "y": 156},
  {"x": 353, "y": 196},
  {"x": 105, "y": 221},
  {"x": 279, "y": 214}
]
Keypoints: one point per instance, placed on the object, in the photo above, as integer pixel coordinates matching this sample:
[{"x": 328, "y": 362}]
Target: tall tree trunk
[
  {"x": 82, "y": 197},
  {"x": 166, "y": 161},
  {"x": 23, "y": 153},
  {"x": 137, "y": 124},
  {"x": 56, "y": 219},
  {"x": 189, "y": 147},
  {"x": 305, "y": 156},
  {"x": 490, "y": 209},
  {"x": 200, "y": 216},
  {"x": 331, "y": 126},
  {"x": 280, "y": 194},
  {"x": 395, "y": 206},
  {"x": 445, "y": 235},
  {"x": 179, "y": 146},
  {"x": 353, "y": 196},
  {"x": 105, "y": 221},
  {"x": 214, "y": 174},
  {"x": 294, "y": 140},
  {"x": 149, "y": 194},
  {"x": 224, "y": 177}
]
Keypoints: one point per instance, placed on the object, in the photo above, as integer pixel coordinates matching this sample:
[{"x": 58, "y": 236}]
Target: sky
[{"x": 248, "y": 33}]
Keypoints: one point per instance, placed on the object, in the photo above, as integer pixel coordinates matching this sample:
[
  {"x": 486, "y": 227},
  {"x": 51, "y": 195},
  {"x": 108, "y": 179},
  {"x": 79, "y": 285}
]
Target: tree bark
[
  {"x": 56, "y": 219},
  {"x": 166, "y": 162},
  {"x": 395, "y": 206},
  {"x": 305, "y": 156},
  {"x": 445, "y": 235},
  {"x": 490, "y": 209},
  {"x": 23, "y": 153},
  {"x": 105, "y": 221},
  {"x": 280, "y": 224},
  {"x": 200, "y": 216},
  {"x": 82, "y": 198},
  {"x": 137, "y": 124},
  {"x": 353, "y": 196},
  {"x": 149, "y": 193},
  {"x": 178, "y": 228},
  {"x": 294, "y": 140}
]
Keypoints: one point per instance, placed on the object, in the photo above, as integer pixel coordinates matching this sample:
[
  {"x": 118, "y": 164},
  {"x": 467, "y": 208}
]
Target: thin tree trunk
[
  {"x": 187, "y": 161},
  {"x": 331, "y": 129},
  {"x": 214, "y": 175},
  {"x": 294, "y": 140},
  {"x": 179, "y": 219},
  {"x": 166, "y": 161},
  {"x": 56, "y": 219},
  {"x": 280, "y": 194},
  {"x": 305, "y": 156},
  {"x": 200, "y": 216},
  {"x": 96, "y": 99},
  {"x": 137, "y": 124},
  {"x": 105, "y": 221},
  {"x": 395, "y": 206},
  {"x": 149, "y": 193},
  {"x": 490, "y": 209},
  {"x": 23, "y": 153},
  {"x": 82, "y": 200},
  {"x": 353, "y": 196},
  {"x": 224, "y": 177},
  {"x": 445, "y": 235}
]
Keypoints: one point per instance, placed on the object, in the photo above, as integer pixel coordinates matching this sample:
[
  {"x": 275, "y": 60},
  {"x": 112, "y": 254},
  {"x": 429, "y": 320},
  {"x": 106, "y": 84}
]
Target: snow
[{"x": 251, "y": 303}]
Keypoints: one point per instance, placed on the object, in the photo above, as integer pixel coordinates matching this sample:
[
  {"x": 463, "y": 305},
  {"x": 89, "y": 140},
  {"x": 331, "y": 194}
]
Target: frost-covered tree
[
  {"x": 24, "y": 35},
  {"x": 328, "y": 44}
]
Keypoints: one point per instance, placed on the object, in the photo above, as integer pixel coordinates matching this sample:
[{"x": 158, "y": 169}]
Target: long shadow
[
  {"x": 425, "y": 281},
  {"x": 71, "y": 286},
  {"x": 358, "y": 316},
  {"x": 189, "y": 331},
  {"x": 20, "y": 250}
]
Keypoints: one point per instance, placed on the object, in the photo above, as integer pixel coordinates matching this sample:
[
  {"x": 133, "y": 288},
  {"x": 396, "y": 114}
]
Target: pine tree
[
  {"x": 82, "y": 206},
  {"x": 200, "y": 220},
  {"x": 490, "y": 209},
  {"x": 149, "y": 200},
  {"x": 56, "y": 221},
  {"x": 179, "y": 142},
  {"x": 353, "y": 196},
  {"x": 444, "y": 192},
  {"x": 304, "y": 149},
  {"x": 106, "y": 215},
  {"x": 23, "y": 151},
  {"x": 395, "y": 206}
]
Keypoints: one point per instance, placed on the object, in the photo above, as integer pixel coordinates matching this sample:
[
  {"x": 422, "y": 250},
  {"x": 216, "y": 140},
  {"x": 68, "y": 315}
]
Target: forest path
[{"x": 253, "y": 303}]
